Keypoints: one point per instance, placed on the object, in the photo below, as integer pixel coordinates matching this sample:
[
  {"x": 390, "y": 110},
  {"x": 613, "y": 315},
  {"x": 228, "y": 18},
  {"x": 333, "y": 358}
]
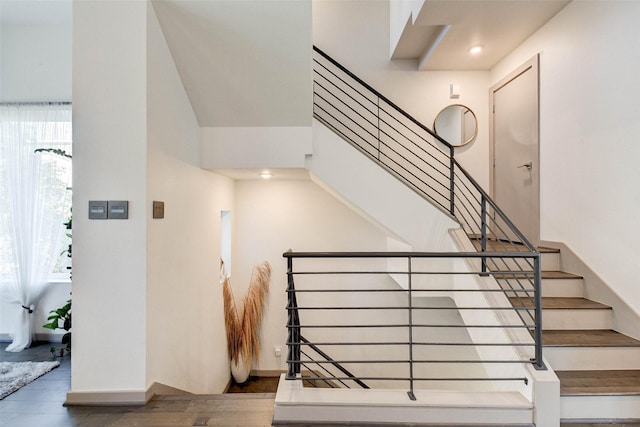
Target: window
[{"x": 26, "y": 128}]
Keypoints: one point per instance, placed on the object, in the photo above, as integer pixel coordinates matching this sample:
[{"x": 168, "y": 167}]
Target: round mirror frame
[{"x": 474, "y": 134}]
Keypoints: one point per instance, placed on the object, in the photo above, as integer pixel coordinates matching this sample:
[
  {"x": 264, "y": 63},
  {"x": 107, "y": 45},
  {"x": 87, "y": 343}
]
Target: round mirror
[{"x": 456, "y": 124}]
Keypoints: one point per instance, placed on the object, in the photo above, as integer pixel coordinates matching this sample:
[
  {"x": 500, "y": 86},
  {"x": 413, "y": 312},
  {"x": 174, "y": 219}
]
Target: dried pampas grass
[{"x": 243, "y": 341}]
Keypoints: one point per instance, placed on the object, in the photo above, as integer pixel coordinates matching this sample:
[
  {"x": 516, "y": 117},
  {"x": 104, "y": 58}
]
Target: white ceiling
[
  {"x": 247, "y": 62},
  {"x": 498, "y": 25},
  {"x": 242, "y": 63}
]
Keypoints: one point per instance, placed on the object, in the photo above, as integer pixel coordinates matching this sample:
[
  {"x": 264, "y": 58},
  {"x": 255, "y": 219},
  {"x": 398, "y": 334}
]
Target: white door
[{"x": 515, "y": 154}]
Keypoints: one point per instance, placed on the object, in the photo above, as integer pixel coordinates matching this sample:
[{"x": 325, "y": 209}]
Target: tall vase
[{"x": 240, "y": 370}]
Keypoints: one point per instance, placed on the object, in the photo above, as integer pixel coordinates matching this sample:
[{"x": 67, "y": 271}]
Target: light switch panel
[
  {"x": 98, "y": 209},
  {"x": 118, "y": 209}
]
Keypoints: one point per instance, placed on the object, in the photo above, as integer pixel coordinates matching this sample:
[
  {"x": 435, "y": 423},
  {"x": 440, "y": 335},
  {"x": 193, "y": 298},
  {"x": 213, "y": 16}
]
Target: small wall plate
[
  {"x": 97, "y": 209},
  {"x": 118, "y": 209},
  {"x": 158, "y": 209}
]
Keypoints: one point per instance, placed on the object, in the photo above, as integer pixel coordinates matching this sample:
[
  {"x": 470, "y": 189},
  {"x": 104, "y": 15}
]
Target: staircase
[{"x": 598, "y": 368}]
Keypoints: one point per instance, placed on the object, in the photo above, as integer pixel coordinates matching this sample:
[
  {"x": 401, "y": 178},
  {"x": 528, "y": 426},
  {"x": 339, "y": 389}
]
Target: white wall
[
  {"x": 110, "y": 163},
  {"x": 389, "y": 203},
  {"x": 254, "y": 147},
  {"x": 35, "y": 65},
  {"x": 35, "y": 62},
  {"x": 589, "y": 195},
  {"x": 274, "y": 216},
  {"x": 356, "y": 34},
  {"x": 186, "y": 343}
]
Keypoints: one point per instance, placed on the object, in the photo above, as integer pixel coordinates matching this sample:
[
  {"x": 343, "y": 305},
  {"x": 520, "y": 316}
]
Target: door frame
[{"x": 534, "y": 65}]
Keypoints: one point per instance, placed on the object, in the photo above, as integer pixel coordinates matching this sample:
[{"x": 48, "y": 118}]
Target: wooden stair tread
[
  {"x": 599, "y": 382},
  {"x": 495, "y": 243},
  {"x": 498, "y": 246},
  {"x": 550, "y": 274},
  {"x": 587, "y": 338},
  {"x": 561, "y": 303},
  {"x": 559, "y": 275}
]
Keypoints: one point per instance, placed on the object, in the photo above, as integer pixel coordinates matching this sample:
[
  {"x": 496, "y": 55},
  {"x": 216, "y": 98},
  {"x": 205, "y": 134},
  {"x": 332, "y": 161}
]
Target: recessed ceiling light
[
  {"x": 474, "y": 50},
  {"x": 266, "y": 175}
]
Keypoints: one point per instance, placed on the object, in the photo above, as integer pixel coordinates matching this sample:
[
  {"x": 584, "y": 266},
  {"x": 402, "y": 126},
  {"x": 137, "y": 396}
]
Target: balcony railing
[{"x": 442, "y": 325}]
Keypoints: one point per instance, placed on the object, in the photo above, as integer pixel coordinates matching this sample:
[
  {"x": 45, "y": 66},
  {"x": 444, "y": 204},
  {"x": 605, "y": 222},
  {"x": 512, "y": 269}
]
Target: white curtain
[{"x": 33, "y": 189}]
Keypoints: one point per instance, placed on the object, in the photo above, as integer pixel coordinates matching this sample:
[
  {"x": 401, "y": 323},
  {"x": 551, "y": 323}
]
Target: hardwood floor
[{"x": 40, "y": 404}]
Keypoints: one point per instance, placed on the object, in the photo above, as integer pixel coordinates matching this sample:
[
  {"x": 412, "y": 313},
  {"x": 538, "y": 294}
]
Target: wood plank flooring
[{"x": 40, "y": 404}]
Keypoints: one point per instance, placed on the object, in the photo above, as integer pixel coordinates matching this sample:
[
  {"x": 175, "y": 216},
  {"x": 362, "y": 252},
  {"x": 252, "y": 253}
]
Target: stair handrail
[{"x": 381, "y": 96}]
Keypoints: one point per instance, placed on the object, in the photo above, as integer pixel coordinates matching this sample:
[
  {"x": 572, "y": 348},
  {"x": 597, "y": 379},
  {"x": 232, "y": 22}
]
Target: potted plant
[{"x": 60, "y": 318}]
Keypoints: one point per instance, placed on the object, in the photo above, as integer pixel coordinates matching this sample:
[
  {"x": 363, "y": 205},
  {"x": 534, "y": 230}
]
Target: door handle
[{"x": 526, "y": 165}]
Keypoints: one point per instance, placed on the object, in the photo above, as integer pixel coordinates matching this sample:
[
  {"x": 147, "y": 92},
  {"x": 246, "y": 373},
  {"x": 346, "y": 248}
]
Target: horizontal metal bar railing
[
  {"x": 327, "y": 360},
  {"x": 381, "y": 130},
  {"x": 378, "y": 94},
  {"x": 342, "y": 331}
]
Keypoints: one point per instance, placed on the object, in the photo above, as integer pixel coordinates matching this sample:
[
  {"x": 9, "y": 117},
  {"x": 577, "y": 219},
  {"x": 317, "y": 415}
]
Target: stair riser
[
  {"x": 592, "y": 358},
  {"x": 553, "y": 319},
  {"x": 599, "y": 407},
  {"x": 569, "y": 288},
  {"x": 399, "y": 414},
  {"x": 550, "y": 262}
]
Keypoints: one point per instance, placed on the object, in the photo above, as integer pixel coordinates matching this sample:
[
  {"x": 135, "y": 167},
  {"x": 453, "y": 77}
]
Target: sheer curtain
[{"x": 33, "y": 189}]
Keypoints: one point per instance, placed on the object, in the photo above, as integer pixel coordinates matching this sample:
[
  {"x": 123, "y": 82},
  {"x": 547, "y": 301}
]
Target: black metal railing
[
  {"x": 438, "y": 327},
  {"x": 383, "y": 131},
  {"x": 425, "y": 163},
  {"x": 322, "y": 370}
]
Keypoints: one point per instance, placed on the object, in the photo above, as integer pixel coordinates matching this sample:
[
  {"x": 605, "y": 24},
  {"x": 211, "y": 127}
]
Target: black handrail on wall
[{"x": 425, "y": 162}]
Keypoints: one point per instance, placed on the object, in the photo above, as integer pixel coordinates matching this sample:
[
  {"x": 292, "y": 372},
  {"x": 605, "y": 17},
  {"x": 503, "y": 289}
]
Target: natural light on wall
[{"x": 35, "y": 197}]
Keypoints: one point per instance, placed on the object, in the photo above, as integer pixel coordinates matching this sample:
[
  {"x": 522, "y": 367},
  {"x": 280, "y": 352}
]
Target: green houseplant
[{"x": 60, "y": 318}]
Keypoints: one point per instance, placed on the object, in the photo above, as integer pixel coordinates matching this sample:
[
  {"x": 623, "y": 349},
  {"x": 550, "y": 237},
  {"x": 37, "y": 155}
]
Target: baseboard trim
[
  {"x": 122, "y": 398},
  {"x": 40, "y": 337},
  {"x": 107, "y": 398},
  {"x": 159, "y": 389},
  {"x": 267, "y": 373}
]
